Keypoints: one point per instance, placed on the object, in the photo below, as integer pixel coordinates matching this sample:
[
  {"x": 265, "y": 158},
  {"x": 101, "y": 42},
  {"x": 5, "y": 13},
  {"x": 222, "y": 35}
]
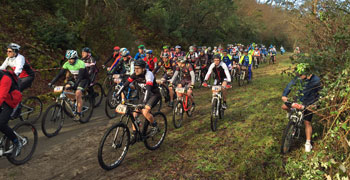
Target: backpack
[{"x": 14, "y": 78}]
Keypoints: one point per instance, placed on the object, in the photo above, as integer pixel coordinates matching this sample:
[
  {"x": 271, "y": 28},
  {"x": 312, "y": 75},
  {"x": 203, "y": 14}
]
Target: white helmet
[{"x": 14, "y": 46}]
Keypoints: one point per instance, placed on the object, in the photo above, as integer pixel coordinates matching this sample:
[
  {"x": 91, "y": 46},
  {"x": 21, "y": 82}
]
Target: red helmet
[{"x": 117, "y": 48}]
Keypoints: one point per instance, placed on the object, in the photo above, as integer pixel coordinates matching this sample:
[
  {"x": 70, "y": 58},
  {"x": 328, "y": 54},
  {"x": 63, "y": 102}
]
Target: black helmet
[
  {"x": 140, "y": 63},
  {"x": 86, "y": 49}
]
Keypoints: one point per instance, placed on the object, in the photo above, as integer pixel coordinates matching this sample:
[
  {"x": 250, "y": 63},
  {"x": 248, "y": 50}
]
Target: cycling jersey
[
  {"x": 177, "y": 54},
  {"x": 191, "y": 58},
  {"x": 146, "y": 83},
  {"x": 221, "y": 72},
  {"x": 140, "y": 56},
  {"x": 227, "y": 60},
  {"x": 257, "y": 53},
  {"x": 246, "y": 60},
  {"x": 128, "y": 65},
  {"x": 151, "y": 61},
  {"x": 168, "y": 66},
  {"x": 114, "y": 56},
  {"x": 202, "y": 60},
  {"x": 186, "y": 72},
  {"x": 20, "y": 66}
]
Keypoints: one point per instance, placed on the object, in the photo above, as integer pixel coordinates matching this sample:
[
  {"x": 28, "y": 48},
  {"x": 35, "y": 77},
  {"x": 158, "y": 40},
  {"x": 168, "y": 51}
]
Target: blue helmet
[{"x": 71, "y": 54}]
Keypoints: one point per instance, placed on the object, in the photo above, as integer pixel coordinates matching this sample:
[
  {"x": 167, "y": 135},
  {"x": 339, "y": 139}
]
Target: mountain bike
[
  {"x": 115, "y": 142},
  {"x": 234, "y": 72},
  {"x": 243, "y": 76},
  {"x": 255, "y": 62},
  {"x": 54, "y": 115},
  {"x": 28, "y": 135},
  {"x": 183, "y": 104},
  {"x": 31, "y": 110},
  {"x": 164, "y": 90},
  {"x": 198, "y": 76},
  {"x": 97, "y": 93},
  {"x": 292, "y": 131},
  {"x": 217, "y": 112},
  {"x": 272, "y": 59},
  {"x": 107, "y": 83}
]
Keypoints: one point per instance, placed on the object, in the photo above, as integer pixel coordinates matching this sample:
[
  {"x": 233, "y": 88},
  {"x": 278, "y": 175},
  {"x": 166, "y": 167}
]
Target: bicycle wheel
[
  {"x": 32, "y": 107},
  {"x": 288, "y": 136},
  {"x": 214, "y": 116},
  {"x": 154, "y": 142},
  {"x": 112, "y": 102},
  {"x": 87, "y": 109},
  {"x": 29, "y": 137},
  {"x": 97, "y": 94},
  {"x": 178, "y": 114},
  {"x": 241, "y": 79},
  {"x": 107, "y": 83},
  {"x": 52, "y": 121},
  {"x": 113, "y": 146},
  {"x": 191, "y": 110}
]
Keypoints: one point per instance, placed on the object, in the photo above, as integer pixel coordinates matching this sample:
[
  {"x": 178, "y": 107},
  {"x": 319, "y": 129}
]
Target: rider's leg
[
  {"x": 190, "y": 95},
  {"x": 224, "y": 91},
  {"x": 147, "y": 114},
  {"x": 79, "y": 98},
  {"x": 4, "y": 118},
  {"x": 250, "y": 73},
  {"x": 179, "y": 86},
  {"x": 25, "y": 83},
  {"x": 308, "y": 127}
]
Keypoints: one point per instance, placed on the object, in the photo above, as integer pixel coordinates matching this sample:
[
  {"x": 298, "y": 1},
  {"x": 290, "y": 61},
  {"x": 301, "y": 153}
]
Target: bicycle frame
[
  {"x": 218, "y": 97},
  {"x": 184, "y": 100},
  {"x": 2, "y": 146}
]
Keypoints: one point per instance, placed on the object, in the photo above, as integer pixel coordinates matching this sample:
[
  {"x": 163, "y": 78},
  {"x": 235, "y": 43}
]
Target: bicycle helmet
[
  {"x": 14, "y": 47},
  {"x": 86, "y": 49},
  {"x": 165, "y": 47},
  {"x": 177, "y": 47},
  {"x": 71, "y": 54},
  {"x": 125, "y": 53},
  {"x": 141, "y": 46},
  {"x": 149, "y": 52},
  {"x": 116, "y": 48},
  {"x": 140, "y": 63},
  {"x": 123, "y": 49}
]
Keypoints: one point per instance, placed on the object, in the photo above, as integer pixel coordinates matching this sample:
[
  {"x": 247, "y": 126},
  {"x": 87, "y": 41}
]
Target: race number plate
[
  {"x": 198, "y": 67},
  {"x": 180, "y": 90},
  {"x": 58, "y": 89},
  {"x": 121, "y": 109},
  {"x": 216, "y": 88}
]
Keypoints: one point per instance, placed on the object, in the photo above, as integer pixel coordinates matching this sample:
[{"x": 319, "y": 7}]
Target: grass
[{"x": 246, "y": 144}]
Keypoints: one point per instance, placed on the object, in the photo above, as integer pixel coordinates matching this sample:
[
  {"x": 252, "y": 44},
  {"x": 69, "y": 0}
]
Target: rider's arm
[
  {"x": 209, "y": 72},
  {"x": 137, "y": 56},
  {"x": 155, "y": 70},
  {"x": 149, "y": 84},
  {"x": 60, "y": 74},
  {"x": 108, "y": 60},
  {"x": 287, "y": 90},
  {"x": 250, "y": 59},
  {"x": 241, "y": 60},
  {"x": 92, "y": 65},
  {"x": 227, "y": 73},
  {"x": 19, "y": 64},
  {"x": 172, "y": 80},
  {"x": 132, "y": 67},
  {"x": 4, "y": 64},
  {"x": 192, "y": 77},
  {"x": 81, "y": 76},
  {"x": 5, "y": 85}
]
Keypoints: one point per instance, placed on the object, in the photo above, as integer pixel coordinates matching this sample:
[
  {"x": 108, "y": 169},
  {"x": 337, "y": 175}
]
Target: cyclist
[
  {"x": 146, "y": 82},
  {"x": 115, "y": 55},
  {"x": 273, "y": 53},
  {"x": 90, "y": 63},
  {"x": 203, "y": 61},
  {"x": 186, "y": 73},
  {"x": 80, "y": 79},
  {"x": 256, "y": 54},
  {"x": 151, "y": 60},
  {"x": 311, "y": 85},
  {"x": 192, "y": 56},
  {"x": 222, "y": 76},
  {"x": 282, "y": 50},
  {"x": 227, "y": 59},
  {"x": 128, "y": 62},
  {"x": 141, "y": 54},
  {"x": 247, "y": 62},
  {"x": 19, "y": 65},
  {"x": 168, "y": 65},
  {"x": 165, "y": 52},
  {"x": 10, "y": 97},
  {"x": 177, "y": 53}
]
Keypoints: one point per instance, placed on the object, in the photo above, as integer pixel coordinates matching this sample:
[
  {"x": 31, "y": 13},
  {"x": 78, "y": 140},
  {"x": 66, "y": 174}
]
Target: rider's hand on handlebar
[
  {"x": 284, "y": 99},
  {"x": 50, "y": 85},
  {"x": 205, "y": 84},
  {"x": 103, "y": 66},
  {"x": 192, "y": 86},
  {"x": 228, "y": 86}
]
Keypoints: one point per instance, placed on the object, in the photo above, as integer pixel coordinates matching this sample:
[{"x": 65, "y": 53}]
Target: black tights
[{"x": 5, "y": 114}]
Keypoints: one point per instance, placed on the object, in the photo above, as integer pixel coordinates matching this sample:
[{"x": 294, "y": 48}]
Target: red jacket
[
  {"x": 11, "y": 96},
  {"x": 151, "y": 62}
]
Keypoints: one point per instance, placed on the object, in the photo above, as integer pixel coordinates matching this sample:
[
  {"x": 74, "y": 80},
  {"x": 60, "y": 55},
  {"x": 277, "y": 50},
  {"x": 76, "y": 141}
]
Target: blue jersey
[
  {"x": 140, "y": 56},
  {"x": 226, "y": 60}
]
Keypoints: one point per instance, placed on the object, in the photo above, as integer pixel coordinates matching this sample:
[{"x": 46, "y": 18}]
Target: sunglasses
[{"x": 9, "y": 51}]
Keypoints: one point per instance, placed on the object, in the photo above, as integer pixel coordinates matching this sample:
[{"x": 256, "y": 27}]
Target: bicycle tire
[
  {"x": 100, "y": 155},
  {"x": 37, "y": 106},
  {"x": 111, "y": 103},
  {"x": 178, "y": 106},
  {"x": 106, "y": 85},
  {"x": 213, "y": 116},
  {"x": 26, "y": 158},
  {"x": 88, "y": 102},
  {"x": 57, "y": 118},
  {"x": 163, "y": 127},
  {"x": 287, "y": 138},
  {"x": 98, "y": 94}
]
